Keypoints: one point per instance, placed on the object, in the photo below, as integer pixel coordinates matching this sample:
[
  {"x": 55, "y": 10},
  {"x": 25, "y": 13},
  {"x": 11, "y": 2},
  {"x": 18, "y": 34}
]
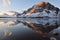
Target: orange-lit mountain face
[{"x": 40, "y": 7}]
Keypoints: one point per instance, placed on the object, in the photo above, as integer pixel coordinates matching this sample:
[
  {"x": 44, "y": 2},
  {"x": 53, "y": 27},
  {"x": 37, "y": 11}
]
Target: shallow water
[{"x": 29, "y": 28}]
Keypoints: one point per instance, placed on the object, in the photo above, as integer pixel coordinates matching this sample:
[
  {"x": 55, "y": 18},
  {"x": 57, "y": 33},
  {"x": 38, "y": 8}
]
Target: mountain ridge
[
  {"x": 9, "y": 13},
  {"x": 41, "y": 7}
]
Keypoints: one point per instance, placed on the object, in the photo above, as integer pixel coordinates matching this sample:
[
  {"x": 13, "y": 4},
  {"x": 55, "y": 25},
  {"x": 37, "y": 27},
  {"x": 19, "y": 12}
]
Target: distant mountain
[
  {"x": 42, "y": 9},
  {"x": 9, "y": 14}
]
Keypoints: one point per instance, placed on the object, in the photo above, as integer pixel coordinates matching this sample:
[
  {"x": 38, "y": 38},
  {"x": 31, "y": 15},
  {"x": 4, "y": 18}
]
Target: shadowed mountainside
[{"x": 42, "y": 9}]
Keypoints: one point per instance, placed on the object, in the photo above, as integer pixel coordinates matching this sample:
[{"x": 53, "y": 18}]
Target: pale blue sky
[{"x": 19, "y": 5}]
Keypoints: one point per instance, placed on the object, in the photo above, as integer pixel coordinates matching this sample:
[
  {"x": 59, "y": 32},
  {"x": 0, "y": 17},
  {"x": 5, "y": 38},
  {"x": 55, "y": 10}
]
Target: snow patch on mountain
[{"x": 42, "y": 9}]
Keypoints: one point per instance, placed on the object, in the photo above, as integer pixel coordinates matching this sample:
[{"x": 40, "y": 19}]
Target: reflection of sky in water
[{"x": 22, "y": 27}]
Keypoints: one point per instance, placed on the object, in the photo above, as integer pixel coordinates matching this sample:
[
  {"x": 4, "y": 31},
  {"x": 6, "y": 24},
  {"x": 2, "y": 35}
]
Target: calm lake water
[{"x": 29, "y": 29}]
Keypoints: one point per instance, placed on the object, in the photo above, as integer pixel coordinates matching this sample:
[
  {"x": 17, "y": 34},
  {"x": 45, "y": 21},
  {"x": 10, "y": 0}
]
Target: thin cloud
[{"x": 6, "y": 2}]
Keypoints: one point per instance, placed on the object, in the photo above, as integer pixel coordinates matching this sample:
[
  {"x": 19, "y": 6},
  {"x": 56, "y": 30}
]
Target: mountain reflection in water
[{"x": 29, "y": 29}]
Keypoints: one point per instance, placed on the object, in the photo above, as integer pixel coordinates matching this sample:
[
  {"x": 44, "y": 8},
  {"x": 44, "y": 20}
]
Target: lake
[{"x": 29, "y": 28}]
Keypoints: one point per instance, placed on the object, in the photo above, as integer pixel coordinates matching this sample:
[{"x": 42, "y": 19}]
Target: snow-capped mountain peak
[{"x": 42, "y": 9}]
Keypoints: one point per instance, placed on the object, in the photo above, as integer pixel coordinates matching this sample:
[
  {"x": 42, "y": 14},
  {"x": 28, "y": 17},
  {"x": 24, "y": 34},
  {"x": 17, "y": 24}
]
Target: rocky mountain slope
[{"x": 42, "y": 9}]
